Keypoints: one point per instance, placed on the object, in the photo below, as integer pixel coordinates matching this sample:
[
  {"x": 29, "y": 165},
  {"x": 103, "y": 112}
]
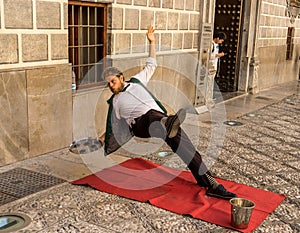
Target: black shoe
[
  {"x": 220, "y": 192},
  {"x": 173, "y": 122}
]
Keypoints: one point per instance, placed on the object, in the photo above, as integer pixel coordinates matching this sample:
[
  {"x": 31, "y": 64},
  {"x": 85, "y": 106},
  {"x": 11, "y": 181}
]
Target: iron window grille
[
  {"x": 290, "y": 43},
  {"x": 87, "y": 40}
]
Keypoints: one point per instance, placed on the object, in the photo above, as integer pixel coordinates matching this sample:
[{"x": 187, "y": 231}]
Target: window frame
[
  {"x": 76, "y": 44},
  {"x": 290, "y": 43}
]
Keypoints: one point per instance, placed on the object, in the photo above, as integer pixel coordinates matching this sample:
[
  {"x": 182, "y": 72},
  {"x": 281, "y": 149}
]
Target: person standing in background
[{"x": 218, "y": 39}]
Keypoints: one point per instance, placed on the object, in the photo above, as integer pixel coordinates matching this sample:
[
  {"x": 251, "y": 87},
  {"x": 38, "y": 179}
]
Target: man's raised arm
[{"x": 151, "y": 39}]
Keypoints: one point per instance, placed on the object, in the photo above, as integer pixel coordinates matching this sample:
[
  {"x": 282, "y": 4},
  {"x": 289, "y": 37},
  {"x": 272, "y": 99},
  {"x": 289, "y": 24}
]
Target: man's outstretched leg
[
  {"x": 152, "y": 123},
  {"x": 181, "y": 145}
]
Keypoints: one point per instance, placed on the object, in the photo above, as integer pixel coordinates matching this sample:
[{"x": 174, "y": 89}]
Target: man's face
[
  {"x": 115, "y": 83},
  {"x": 220, "y": 41}
]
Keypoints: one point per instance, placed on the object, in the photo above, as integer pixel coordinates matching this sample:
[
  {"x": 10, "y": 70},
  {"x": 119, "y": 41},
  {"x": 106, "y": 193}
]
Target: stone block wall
[
  {"x": 274, "y": 68},
  {"x": 176, "y": 23},
  {"x": 274, "y": 24},
  {"x": 36, "y": 32},
  {"x": 35, "y": 77}
]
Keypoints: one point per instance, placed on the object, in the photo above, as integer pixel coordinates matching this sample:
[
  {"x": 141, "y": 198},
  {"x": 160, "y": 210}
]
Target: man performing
[{"x": 134, "y": 111}]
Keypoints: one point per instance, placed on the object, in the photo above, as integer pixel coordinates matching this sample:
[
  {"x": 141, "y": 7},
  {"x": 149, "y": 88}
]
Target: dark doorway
[{"x": 227, "y": 20}]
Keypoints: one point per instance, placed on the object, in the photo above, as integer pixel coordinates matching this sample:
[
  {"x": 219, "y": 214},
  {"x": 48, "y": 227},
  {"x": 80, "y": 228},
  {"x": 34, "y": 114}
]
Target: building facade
[
  {"x": 48, "y": 45},
  {"x": 36, "y": 98}
]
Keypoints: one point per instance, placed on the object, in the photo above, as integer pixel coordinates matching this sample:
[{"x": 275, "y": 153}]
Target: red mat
[{"x": 177, "y": 191}]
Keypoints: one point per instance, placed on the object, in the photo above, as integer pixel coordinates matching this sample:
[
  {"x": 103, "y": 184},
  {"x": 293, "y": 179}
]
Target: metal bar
[
  {"x": 87, "y": 37},
  {"x": 95, "y": 40},
  {"x": 88, "y": 41},
  {"x": 71, "y": 43},
  {"x": 80, "y": 43}
]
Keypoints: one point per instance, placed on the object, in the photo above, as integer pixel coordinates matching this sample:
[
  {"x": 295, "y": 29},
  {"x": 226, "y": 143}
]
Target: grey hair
[{"x": 111, "y": 71}]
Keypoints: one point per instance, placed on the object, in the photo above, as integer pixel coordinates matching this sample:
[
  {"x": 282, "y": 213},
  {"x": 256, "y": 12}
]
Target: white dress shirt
[
  {"x": 215, "y": 51},
  {"x": 136, "y": 100}
]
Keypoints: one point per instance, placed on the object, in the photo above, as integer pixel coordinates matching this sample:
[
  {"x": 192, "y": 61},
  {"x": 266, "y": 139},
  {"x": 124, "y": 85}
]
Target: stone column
[
  {"x": 205, "y": 72},
  {"x": 249, "y": 64},
  {"x": 253, "y": 75},
  {"x": 254, "y": 63}
]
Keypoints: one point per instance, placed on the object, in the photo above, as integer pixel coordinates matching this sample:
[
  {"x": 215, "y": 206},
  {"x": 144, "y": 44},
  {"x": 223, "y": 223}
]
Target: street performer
[{"x": 134, "y": 111}]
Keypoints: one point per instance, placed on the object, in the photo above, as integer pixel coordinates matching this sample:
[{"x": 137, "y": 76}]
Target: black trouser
[{"x": 148, "y": 125}]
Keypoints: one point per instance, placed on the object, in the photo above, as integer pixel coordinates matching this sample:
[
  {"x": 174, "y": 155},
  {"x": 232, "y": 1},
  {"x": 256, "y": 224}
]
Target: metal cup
[{"x": 241, "y": 211}]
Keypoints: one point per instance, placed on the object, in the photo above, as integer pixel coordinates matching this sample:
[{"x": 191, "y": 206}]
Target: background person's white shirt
[{"x": 215, "y": 51}]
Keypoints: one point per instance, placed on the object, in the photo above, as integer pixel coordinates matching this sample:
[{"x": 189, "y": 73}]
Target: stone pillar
[
  {"x": 254, "y": 64},
  {"x": 205, "y": 73},
  {"x": 249, "y": 63},
  {"x": 253, "y": 75}
]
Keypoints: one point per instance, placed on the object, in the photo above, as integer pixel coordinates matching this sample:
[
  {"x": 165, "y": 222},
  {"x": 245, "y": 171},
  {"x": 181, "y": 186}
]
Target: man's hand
[
  {"x": 150, "y": 35},
  {"x": 151, "y": 39},
  {"x": 220, "y": 54}
]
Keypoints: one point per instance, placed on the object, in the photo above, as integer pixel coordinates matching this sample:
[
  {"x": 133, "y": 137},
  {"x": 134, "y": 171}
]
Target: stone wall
[
  {"x": 274, "y": 24},
  {"x": 35, "y": 78},
  {"x": 274, "y": 68},
  {"x": 36, "y": 33},
  {"x": 14, "y": 142},
  {"x": 176, "y": 23}
]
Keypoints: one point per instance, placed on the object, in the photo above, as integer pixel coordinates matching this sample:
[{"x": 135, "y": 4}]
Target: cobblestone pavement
[{"x": 262, "y": 152}]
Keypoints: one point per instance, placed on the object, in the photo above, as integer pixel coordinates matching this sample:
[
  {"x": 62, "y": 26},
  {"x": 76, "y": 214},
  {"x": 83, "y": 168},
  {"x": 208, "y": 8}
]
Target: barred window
[
  {"x": 290, "y": 43},
  {"x": 87, "y": 40}
]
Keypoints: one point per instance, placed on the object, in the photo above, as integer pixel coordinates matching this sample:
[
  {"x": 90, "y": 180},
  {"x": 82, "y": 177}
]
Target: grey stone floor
[{"x": 263, "y": 152}]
